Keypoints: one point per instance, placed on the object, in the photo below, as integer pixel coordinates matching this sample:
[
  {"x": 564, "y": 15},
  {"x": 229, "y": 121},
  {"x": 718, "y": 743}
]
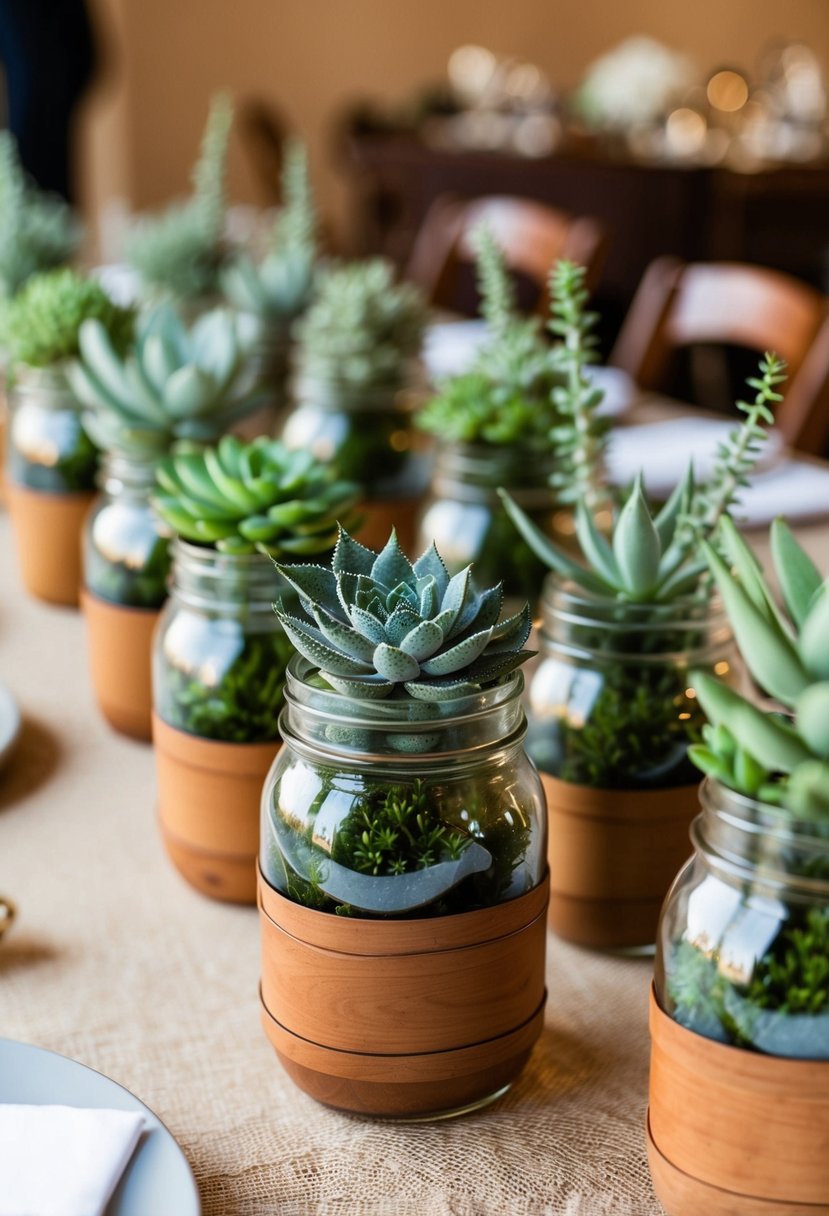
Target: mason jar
[
  {"x": 468, "y": 522},
  {"x": 743, "y": 952},
  {"x": 402, "y": 896},
  {"x": 125, "y": 544},
  {"x": 220, "y": 654},
  {"x": 610, "y": 701},
  {"x": 459, "y": 766},
  {"x": 369, "y": 434},
  {"x": 612, "y": 712},
  {"x": 48, "y": 448}
]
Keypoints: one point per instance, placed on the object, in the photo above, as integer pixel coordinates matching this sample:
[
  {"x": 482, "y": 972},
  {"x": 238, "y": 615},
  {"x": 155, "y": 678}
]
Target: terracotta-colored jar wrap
[
  {"x": 734, "y": 1132},
  {"x": 381, "y": 515},
  {"x": 209, "y": 795},
  {"x": 47, "y": 531},
  {"x": 120, "y": 653},
  {"x": 403, "y": 1016},
  {"x": 613, "y": 855}
]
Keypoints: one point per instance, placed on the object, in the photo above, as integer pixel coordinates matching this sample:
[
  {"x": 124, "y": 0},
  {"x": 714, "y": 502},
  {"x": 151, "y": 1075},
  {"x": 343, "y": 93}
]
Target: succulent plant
[
  {"x": 279, "y": 287},
  {"x": 362, "y": 329},
  {"x": 256, "y": 497},
  {"x": 38, "y": 231},
  {"x": 41, "y": 325},
  {"x": 172, "y": 383},
  {"x": 379, "y": 625},
  {"x": 778, "y": 757},
  {"x": 506, "y": 396},
  {"x": 181, "y": 251},
  {"x": 655, "y": 559}
]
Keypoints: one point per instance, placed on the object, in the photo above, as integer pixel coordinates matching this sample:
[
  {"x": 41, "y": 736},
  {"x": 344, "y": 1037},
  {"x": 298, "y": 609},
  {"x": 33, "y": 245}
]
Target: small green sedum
[
  {"x": 41, "y": 325},
  {"x": 378, "y": 625}
]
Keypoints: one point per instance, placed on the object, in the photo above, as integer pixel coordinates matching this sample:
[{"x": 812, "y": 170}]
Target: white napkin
[
  {"x": 63, "y": 1160},
  {"x": 781, "y": 485}
]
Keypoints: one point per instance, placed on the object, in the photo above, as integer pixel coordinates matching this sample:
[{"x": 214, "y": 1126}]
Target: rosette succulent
[
  {"x": 172, "y": 383},
  {"x": 779, "y": 756},
  {"x": 378, "y": 625},
  {"x": 181, "y": 251},
  {"x": 256, "y": 497}
]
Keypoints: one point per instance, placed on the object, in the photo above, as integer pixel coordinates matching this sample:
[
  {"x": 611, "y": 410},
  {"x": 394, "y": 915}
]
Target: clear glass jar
[
  {"x": 48, "y": 449},
  {"x": 401, "y": 808},
  {"x": 125, "y": 544},
  {"x": 610, "y": 701},
  {"x": 467, "y": 521},
  {"x": 220, "y": 654},
  {"x": 368, "y": 433},
  {"x": 743, "y": 952}
]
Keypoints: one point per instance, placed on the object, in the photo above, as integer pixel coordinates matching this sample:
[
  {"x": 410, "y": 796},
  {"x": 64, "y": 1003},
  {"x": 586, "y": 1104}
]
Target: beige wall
[{"x": 141, "y": 129}]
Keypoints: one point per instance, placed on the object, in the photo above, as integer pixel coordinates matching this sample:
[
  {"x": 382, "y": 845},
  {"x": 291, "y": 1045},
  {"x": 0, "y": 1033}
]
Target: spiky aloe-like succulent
[
  {"x": 655, "y": 559},
  {"x": 181, "y": 251},
  {"x": 378, "y": 625},
  {"x": 277, "y": 289},
  {"x": 173, "y": 382},
  {"x": 41, "y": 324},
  {"x": 758, "y": 752},
  {"x": 362, "y": 329},
  {"x": 506, "y": 396},
  {"x": 37, "y": 230},
  {"x": 256, "y": 497}
]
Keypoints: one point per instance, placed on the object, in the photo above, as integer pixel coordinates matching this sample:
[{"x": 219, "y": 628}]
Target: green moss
[{"x": 39, "y": 327}]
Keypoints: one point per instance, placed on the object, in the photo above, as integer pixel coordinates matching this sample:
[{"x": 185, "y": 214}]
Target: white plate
[
  {"x": 450, "y": 348},
  {"x": 9, "y": 723},
  {"x": 158, "y": 1180}
]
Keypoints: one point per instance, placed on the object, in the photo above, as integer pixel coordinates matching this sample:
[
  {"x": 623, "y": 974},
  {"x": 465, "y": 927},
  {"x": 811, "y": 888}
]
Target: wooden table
[{"x": 116, "y": 962}]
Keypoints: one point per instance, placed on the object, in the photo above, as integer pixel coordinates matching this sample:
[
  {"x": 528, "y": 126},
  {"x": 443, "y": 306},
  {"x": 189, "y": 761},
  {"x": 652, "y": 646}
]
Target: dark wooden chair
[
  {"x": 734, "y": 304},
  {"x": 532, "y": 235}
]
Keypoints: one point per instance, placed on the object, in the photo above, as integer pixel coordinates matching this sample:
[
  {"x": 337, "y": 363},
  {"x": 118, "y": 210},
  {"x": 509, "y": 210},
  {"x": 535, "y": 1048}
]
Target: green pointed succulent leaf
[
  {"x": 711, "y": 763},
  {"x": 812, "y": 716},
  {"x": 351, "y": 555},
  {"x": 423, "y": 640},
  {"x": 431, "y": 564},
  {"x": 806, "y": 793},
  {"x": 551, "y": 554},
  {"x": 797, "y": 574},
  {"x": 310, "y": 643},
  {"x": 368, "y": 625},
  {"x": 394, "y": 664},
  {"x": 427, "y": 589},
  {"x": 401, "y": 622},
  {"x": 759, "y": 733},
  {"x": 316, "y": 584},
  {"x": 750, "y": 574},
  {"x": 636, "y": 545},
  {"x": 369, "y": 688},
  {"x": 814, "y": 636},
  {"x": 343, "y": 637},
  {"x": 769, "y": 655},
  {"x": 676, "y": 506},
  {"x": 595, "y": 548},
  {"x": 458, "y": 657},
  {"x": 391, "y": 566}
]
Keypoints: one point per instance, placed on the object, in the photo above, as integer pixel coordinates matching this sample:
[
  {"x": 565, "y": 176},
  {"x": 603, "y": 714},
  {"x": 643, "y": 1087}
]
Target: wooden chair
[
  {"x": 682, "y": 304},
  {"x": 532, "y": 235}
]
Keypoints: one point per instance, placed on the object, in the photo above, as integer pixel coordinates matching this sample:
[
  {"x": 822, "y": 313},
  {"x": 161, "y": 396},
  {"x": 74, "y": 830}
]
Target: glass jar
[
  {"x": 220, "y": 654},
  {"x": 401, "y": 808},
  {"x": 48, "y": 449},
  {"x": 125, "y": 544},
  {"x": 743, "y": 952},
  {"x": 610, "y": 701},
  {"x": 367, "y": 432},
  {"x": 467, "y": 521}
]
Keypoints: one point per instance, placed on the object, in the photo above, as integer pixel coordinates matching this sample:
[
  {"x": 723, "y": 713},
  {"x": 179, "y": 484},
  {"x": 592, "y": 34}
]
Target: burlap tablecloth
[{"x": 116, "y": 962}]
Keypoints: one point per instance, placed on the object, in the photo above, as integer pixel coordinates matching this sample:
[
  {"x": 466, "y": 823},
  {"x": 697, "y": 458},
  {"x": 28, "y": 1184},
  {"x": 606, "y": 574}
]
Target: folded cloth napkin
[
  {"x": 63, "y": 1160},
  {"x": 780, "y": 485},
  {"x": 661, "y": 450}
]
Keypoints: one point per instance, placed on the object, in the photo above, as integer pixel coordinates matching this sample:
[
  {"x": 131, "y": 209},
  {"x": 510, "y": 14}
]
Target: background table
[{"x": 116, "y": 962}]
